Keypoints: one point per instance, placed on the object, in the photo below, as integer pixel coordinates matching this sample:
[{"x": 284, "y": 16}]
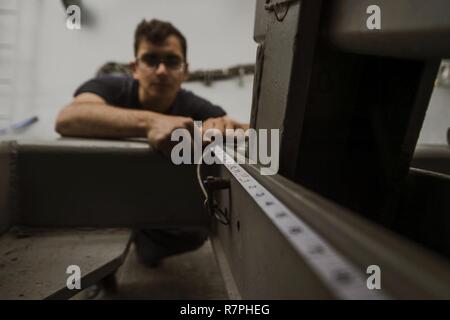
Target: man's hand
[
  {"x": 160, "y": 130},
  {"x": 222, "y": 124}
]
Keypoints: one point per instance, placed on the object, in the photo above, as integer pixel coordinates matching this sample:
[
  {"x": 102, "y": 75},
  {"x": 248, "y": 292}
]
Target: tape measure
[{"x": 338, "y": 273}]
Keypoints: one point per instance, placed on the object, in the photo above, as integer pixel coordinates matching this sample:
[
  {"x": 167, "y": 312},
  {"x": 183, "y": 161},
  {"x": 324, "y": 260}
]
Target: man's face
[{"x": 160, "y": 69}]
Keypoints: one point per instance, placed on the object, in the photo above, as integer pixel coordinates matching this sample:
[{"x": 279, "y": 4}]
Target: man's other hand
[
  {"x": 222, "y": 124},
  {"x": 161, "y": 128}
]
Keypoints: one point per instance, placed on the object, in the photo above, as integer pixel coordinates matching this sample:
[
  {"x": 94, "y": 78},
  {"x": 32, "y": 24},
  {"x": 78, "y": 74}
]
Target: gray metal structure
[
  {"x": 350, "y": 104},
  {"x": 66, "y": 202},
  {"x": 91, "y": 183}
]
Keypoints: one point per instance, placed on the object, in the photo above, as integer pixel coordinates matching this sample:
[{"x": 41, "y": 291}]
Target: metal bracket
[
  {"x": 212, "y": 184},
  {"x": 280, "y": 8}
]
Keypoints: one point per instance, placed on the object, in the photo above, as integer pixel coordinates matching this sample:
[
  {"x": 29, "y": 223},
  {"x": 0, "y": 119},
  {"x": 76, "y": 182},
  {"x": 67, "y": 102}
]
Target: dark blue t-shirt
[{"x": 123, "y": 92}]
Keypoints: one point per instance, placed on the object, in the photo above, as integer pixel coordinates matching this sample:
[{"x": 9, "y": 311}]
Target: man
[{"x": 149, "y": 104}]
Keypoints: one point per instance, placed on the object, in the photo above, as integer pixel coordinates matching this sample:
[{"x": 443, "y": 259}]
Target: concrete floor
[{"x": 192, "y": 275}]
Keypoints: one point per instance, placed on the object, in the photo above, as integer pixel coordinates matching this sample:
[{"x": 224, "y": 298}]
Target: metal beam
[
  {"x": 409, "y": 28},
  {"x": 76, "y": 183},
  {"x": 7, "y": 171},
  {"x": 264, "y": 265}
]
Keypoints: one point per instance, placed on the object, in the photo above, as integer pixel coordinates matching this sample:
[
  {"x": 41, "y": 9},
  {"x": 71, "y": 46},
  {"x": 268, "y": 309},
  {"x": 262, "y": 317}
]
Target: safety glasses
[{"x": 171, "y": 62}]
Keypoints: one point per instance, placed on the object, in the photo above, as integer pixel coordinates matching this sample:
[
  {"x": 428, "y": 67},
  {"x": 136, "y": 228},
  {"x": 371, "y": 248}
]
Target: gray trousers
[{"x": 152, "y": 245}]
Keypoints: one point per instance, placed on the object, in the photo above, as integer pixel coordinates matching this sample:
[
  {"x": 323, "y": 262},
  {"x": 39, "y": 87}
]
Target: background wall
[
  {"x": 42, "y": 62},
  {"x": 49, "y": 61}
]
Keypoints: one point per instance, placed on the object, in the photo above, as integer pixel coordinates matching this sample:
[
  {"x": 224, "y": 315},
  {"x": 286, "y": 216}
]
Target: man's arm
[{"x": 90, "y": 116}]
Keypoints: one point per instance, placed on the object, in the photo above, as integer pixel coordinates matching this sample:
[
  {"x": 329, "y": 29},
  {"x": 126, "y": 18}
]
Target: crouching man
[{"x": 149, "y": 104}]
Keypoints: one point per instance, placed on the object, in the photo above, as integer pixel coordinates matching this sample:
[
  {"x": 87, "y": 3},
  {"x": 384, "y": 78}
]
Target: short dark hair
[{"x": 157, "y": 31}]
